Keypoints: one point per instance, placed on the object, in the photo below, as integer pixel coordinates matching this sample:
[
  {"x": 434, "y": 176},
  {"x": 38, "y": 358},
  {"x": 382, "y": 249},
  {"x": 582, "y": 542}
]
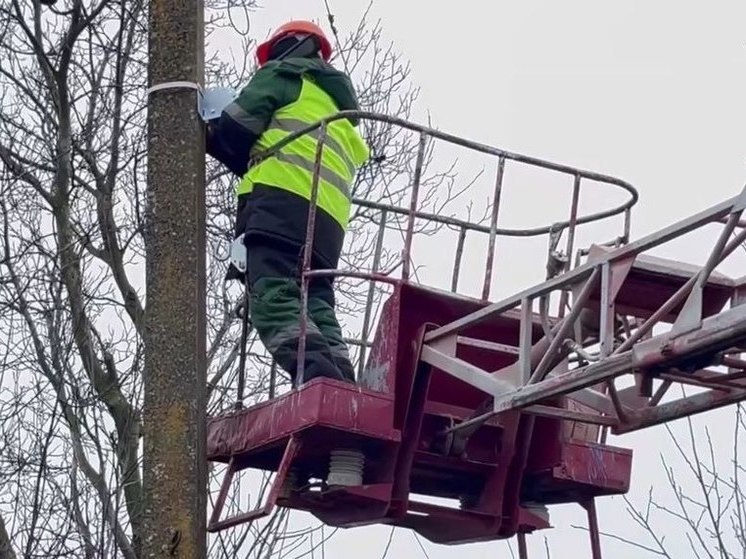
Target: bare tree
[
  {"x": 72, "y": 167},
  {"x": 702, "y": 507},
  {"x": 708, "y": 506}
]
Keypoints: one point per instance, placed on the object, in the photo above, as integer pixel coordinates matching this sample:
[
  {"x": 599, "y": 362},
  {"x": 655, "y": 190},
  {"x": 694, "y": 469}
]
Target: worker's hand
[{"x": 217, "y": 148}]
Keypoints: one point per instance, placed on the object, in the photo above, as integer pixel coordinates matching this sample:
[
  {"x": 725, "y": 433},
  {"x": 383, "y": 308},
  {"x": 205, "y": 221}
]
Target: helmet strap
[{"x": 306, "y": 47}]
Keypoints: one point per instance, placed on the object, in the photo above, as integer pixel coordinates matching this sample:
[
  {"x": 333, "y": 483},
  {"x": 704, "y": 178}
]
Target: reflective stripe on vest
[
  {"x": 292, "y": 125},
  {"x": 291, "y": 168}
]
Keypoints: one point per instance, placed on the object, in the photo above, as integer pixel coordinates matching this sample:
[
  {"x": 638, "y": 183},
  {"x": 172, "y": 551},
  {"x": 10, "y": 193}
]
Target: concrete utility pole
[{"x": 174, "y": 466}]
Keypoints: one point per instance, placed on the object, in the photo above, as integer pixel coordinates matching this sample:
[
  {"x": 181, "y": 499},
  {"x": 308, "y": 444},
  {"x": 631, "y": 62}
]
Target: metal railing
[
  {"x": 413, "y": 213},
  {"x": 692, "y": 336}
]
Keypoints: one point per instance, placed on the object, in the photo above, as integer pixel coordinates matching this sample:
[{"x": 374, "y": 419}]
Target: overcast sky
[{"x": 652, "y": 92}]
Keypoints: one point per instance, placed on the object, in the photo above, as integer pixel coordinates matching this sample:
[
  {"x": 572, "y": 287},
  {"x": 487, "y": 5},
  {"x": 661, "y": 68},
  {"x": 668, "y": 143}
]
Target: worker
[{"x": 294, "y": 87}]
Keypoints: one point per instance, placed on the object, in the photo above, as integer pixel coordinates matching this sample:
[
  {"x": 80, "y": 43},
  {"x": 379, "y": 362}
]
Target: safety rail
[
  {"x": 569, "y": 375},
  {"x": 319, "y": 130},
  {"x": 697, "y": 339}
]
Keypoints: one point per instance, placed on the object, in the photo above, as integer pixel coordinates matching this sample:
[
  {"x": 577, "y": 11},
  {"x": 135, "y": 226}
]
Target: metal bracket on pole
[
  {"x": 238, "y": 254},
  {"x": 210, "y": 102},
  {"x": 213, "y": 101}
]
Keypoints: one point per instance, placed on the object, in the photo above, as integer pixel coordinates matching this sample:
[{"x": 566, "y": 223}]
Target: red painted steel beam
[
  {"x": 716, "y": 332},
  {"x": 569, "y": 415},
  {"x": 684, "y": 407}
]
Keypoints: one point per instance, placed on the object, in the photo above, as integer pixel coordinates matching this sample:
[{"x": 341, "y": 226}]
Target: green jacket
[
  {"x": 274, "y": 85},
  {"x": 268, "y": 212}
]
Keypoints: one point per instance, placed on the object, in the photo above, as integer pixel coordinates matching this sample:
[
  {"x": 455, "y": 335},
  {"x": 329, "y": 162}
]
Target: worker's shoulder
[
  {"x": 301, "y": 67},
  {"x": 283, "y": 72},
  {"x": 283, "y": 80},
  {"x": 270, "y": 81}
]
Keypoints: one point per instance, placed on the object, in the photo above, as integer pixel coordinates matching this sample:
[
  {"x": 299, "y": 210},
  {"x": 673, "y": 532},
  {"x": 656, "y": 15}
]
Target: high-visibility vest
[{"x": 292, "y": 167}]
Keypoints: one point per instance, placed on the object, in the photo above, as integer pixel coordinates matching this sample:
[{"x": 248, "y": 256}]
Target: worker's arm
[{"x": 231, "y": 137}]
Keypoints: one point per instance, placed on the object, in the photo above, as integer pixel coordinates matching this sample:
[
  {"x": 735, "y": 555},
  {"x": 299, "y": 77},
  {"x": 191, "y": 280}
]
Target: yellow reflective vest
[{"x": 292, "y": 167}]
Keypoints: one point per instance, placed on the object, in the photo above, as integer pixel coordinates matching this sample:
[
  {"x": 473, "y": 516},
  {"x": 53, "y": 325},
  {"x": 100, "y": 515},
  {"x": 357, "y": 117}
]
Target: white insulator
[{"x": 346, "y": 468}]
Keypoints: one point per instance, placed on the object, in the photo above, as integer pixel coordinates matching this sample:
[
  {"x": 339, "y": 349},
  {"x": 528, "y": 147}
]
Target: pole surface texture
[{"x": 174, "y": 466}]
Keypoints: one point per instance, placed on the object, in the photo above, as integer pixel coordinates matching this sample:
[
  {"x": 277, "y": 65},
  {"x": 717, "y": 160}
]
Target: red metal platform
[
  {"x": 470, "y": 415},
  {"x": 397, "y": 416}
]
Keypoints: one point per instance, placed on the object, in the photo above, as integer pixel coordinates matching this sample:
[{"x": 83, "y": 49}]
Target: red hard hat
[{"x": 299, "y": 26}]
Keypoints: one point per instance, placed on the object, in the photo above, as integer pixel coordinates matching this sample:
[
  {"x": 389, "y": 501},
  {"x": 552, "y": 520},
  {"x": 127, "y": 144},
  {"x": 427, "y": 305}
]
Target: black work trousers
[{"x": 273, "y": 272}]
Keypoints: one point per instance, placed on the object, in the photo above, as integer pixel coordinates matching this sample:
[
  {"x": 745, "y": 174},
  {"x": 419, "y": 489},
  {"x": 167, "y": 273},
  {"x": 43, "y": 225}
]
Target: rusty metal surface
[
  {"x": 292, "y": 448},
  {"x": 651, "y": 292},
  {"x": 593, "y": 531},
  {"x": 398, "y": 419},
  {"x": 493, "y": 229},
  {"x": 457, "y": 258},
  {"x": 320, "y": 402},
  {"x": 575, "y": 471},
  {"x": 571, "y": 278},
  {"x": 414, "y": 199},
  {"x": 487, "y": 399}
]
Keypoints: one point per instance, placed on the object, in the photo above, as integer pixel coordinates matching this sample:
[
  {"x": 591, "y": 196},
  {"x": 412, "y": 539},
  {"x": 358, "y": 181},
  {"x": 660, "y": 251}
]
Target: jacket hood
[{"x": 336, "y": 83}]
